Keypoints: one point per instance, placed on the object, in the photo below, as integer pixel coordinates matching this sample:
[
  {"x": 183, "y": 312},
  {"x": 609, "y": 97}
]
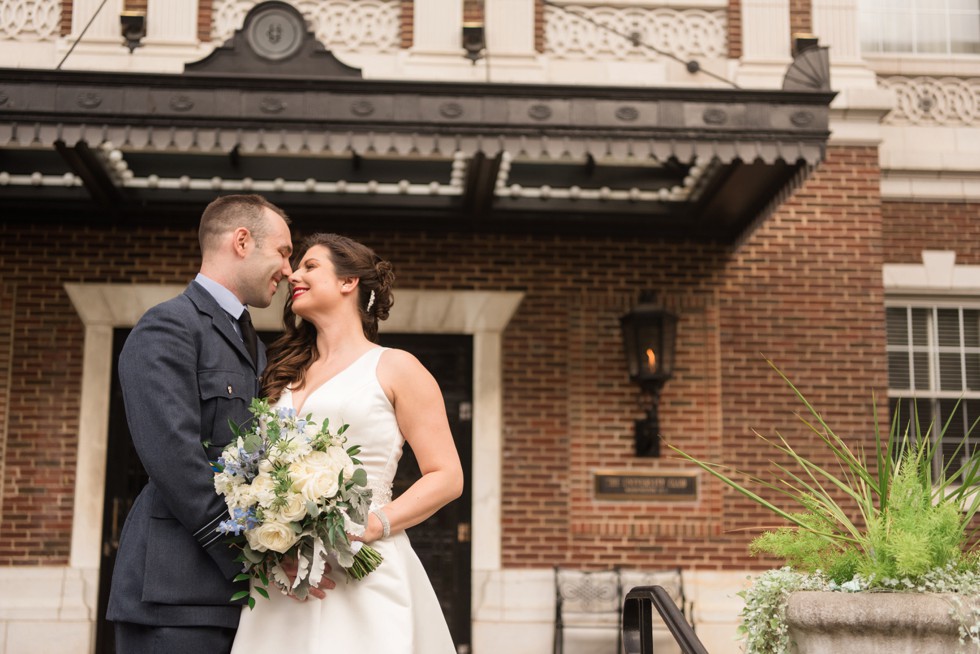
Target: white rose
[
  {"x": 294, "y": 509},
  {"x": 315, "y": 477},
  {"x": 265, "y": 465},
  {"x": 341, "y": 461},
  {"x": 264, "y": 490},
  {"x": 274, "y": 536}
]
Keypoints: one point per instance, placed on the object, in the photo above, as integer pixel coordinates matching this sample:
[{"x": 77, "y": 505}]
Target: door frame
[{"x": 482, "y": 314}]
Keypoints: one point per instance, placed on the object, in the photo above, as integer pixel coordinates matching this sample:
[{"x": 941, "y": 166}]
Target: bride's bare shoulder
[{"x": 398, "y": 366}]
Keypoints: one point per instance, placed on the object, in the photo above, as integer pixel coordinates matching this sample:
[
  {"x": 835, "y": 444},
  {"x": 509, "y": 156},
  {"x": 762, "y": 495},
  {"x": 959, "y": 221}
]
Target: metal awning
[{"x": 684, "y": 162}]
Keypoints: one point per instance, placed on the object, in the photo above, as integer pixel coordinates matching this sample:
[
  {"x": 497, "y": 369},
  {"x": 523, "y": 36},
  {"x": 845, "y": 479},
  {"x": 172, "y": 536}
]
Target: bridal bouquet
[{"x": 294, "y": 491}]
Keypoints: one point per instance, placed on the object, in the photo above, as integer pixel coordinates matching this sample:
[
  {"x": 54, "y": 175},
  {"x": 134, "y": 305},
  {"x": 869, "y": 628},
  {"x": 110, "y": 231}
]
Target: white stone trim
[
  {"x": 48, "y": 609},
  {"x": 937, "y": 274},
  {"x": 916, "y": 65},
  {"x": 681, "y": 4},
  {"x": 939, "y": 186}
]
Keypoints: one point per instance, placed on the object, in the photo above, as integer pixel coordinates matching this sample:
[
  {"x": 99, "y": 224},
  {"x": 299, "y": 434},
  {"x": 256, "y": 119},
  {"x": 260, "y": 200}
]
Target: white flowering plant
[{"x": 294, "y": 492}]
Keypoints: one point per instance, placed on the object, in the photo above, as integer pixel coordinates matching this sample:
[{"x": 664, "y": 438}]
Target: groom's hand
[{"x": 290, "y": 567}]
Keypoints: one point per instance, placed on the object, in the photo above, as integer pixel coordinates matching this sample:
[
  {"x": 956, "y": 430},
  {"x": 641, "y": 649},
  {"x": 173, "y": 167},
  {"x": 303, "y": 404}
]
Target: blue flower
[{"x": 230, "y": 527}]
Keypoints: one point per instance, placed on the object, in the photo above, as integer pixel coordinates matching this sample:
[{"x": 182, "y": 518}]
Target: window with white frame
[
  {"x": 940, "y": 27},
  {"x": 934, "y": 368}
]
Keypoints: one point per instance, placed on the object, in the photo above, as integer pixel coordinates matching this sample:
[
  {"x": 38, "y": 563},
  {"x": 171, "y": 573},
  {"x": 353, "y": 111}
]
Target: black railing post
[{"x": 638, "y": 622}]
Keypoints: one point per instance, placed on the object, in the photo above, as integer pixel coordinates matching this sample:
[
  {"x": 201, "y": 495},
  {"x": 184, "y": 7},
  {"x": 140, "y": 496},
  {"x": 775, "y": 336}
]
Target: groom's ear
[{"x": 240, "y": 239}]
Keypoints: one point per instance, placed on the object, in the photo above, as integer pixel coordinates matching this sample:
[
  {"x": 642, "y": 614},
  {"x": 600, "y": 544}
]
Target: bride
[{"x": 328, "y": 365}]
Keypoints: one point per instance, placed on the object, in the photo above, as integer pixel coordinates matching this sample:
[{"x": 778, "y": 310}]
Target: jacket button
[{"x": 229, "y": 390}]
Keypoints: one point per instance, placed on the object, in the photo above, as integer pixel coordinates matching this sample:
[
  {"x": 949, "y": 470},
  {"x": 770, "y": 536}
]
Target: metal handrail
[{"x": 638, "y": 622}]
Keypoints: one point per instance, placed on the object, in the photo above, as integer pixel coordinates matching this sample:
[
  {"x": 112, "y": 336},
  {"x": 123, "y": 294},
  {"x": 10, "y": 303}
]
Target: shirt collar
[{"x": 225, "y": 298}]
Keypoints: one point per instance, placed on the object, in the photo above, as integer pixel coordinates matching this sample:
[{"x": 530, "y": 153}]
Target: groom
[{"x": 189, "y": 366}]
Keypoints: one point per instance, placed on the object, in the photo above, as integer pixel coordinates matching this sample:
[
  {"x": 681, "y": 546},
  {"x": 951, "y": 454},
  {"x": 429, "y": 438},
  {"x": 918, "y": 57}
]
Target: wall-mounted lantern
[
  {"x": 649, "y": 338},
  {"x": 133, "y": 27},
  {"x": 474, "y": 40}
]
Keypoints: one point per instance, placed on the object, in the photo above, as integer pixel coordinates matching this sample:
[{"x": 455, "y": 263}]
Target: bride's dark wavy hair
[{"x": 291, "y": 355}]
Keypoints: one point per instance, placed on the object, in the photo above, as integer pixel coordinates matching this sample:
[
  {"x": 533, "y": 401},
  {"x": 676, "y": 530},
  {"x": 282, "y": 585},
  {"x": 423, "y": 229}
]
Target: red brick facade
[
  {"x": 911, "y": 227},
  {"x": 803, "y": 289},
  {"x": 800, "y": 17},
  {"x": 734, "y": 29}
]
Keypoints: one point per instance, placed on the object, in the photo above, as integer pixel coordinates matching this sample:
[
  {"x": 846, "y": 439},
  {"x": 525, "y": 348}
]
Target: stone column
[
  {"x": 171, "y": 22},
  {"x": 509, "y": 27},
  {"x": 105, "y": 27},
  {"x": 438, "y": 27},
  {"x": 765, "y": 43},
  {"x": 765, "y": 31},
  {"x": 836, "y": 24}
]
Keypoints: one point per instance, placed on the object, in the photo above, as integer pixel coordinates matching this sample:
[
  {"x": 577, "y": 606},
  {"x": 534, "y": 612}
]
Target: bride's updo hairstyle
[{"x": 292, "y": 353}]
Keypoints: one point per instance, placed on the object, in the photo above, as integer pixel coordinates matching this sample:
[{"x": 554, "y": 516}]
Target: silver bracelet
[{"x": 385, "y": 525}]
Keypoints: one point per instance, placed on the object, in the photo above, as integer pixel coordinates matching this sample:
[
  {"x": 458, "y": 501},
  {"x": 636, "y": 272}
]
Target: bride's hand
[
  {"x": 372, "y": 531},
  {"x": 289, "y": 566}
]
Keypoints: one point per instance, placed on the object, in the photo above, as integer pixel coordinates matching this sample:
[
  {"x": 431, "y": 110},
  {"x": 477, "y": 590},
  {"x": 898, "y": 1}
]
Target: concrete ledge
[{"x": 886, "y": 623}]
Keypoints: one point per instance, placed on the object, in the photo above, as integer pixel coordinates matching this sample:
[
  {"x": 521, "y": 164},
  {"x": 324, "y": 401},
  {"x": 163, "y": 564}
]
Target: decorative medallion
[
  {"x": 181, "y": 103},
  {"x": 801, "y": 118},
  {"x": 451, "y": 110},
  {"x": 271, "y": 105},
  {"x": 539, "y": 112},
  {"x": 926, "y": 103},
  {"x": 714, "y": 117},
  {"x": 275, "y": 34},
  {"x": 89, "y": 99},
  {"x": 362, "y": 108},
  {"x": 627, "y": 114}
]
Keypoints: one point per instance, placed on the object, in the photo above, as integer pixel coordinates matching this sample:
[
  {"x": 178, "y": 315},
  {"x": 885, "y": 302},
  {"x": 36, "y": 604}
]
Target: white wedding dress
[{"x": 393, "y": 610}]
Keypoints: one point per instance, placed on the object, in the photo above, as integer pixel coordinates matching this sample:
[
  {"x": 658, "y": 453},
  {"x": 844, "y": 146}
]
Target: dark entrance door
[
  {"x": 442, "y": 541},
  {"x": 124, "y": 478}
]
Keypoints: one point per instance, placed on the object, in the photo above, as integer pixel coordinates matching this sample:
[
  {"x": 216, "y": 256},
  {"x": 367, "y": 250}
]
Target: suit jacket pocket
[
  {"x": 225, "y": 395},
  {"x": 179, "y": 571}
]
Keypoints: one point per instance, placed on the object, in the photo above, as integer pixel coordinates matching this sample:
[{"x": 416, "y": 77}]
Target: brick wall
[
  {"x": 734, "y": 29},
  {"x": 66, "y": 11},
  {"x": 800, "y": 17},
  {"x": 539, "y": 43},
  {"x": 407, "y": 23},
  {"x": 41, "y": 349},
  {"x": 205, "y": 17},
  {"x": 910, "y": 227},
  {"x": 803, "y": 289}
]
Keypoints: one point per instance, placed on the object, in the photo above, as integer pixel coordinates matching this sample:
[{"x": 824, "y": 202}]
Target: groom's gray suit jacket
[{"x": 184, "y": 372}]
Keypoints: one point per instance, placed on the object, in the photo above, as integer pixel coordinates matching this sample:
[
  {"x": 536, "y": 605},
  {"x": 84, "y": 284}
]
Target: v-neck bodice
[
  {"x": 339, "y": 374},
  {"x": 354, "y": 396}
]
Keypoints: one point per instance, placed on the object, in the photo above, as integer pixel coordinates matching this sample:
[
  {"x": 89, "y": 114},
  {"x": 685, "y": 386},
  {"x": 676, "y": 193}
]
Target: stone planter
[{"x": 884, "y": 623}]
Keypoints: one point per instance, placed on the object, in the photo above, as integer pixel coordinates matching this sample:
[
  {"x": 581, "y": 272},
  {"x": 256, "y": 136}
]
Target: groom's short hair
[{"x": 229, "y": 212}]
